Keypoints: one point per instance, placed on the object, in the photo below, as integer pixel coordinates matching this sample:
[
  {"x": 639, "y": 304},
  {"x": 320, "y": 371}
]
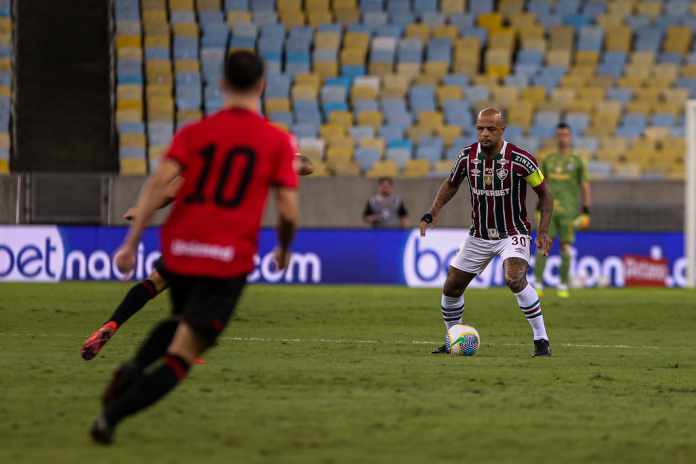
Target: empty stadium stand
[{"x": 391, "y": 87}]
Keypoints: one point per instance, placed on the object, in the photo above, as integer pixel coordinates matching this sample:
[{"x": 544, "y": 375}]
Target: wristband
[
  {"x": 586, "y": 210},
  {"x": 427, "y": 218}
]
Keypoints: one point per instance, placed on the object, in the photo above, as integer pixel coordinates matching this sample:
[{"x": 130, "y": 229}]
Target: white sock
[
  {"x": 452, "y": 310},
  {"x": 531, "y": 308}
]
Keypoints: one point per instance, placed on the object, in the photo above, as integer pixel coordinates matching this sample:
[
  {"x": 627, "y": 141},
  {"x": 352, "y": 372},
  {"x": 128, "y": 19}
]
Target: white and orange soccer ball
[{"x": 463, "y": 340}]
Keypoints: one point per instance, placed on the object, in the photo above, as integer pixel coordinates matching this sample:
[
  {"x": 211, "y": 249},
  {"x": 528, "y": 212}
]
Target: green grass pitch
[{"x": 344, "y": 374}]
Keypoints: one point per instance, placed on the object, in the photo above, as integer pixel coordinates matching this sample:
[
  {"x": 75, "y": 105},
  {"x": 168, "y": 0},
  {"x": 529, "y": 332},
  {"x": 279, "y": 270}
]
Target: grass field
[{"x": 345, "y": 374}]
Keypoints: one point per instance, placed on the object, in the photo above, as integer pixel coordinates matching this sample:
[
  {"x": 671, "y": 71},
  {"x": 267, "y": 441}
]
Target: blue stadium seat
[
  {"x": 303, "y": 129},
  {"x": 361, "y": 132},
  {"x": 430, "y": 148},
  {"x": 366, "y": 157},
  {"x": 578, "y": 122},
  {"x": 391, "y": 132}
]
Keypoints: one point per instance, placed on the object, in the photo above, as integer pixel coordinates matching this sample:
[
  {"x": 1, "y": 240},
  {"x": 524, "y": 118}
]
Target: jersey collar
[{"x": 499, "y": 156}]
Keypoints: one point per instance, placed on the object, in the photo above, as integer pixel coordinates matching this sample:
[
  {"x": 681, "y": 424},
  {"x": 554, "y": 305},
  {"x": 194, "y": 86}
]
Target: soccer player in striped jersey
[{"x": 498, "y": 173}]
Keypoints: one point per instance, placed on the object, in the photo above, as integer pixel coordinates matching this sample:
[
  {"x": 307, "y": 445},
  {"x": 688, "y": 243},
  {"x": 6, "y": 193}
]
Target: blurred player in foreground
[
  {"x": 498, "y": 173},
  {"x": 142, "y": 292},
  {"x": 566, "y": 173},
  {"x": 229, "y": 161}
]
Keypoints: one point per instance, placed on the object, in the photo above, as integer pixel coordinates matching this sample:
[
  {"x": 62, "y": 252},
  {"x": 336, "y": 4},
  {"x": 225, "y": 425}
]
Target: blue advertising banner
[{"x": 328, "y": 256}]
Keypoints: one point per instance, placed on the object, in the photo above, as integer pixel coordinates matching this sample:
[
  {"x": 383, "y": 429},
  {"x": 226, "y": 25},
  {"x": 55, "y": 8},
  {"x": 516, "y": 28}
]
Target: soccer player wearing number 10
[
  {"x": 498, "y": 173},
  {"x": 228, "y": 162}
]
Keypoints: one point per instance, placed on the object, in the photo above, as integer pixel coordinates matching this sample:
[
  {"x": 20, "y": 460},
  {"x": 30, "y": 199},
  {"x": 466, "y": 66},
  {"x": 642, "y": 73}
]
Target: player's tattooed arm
[
  {"x": 444, "y": 194},
  {"x": 154, "y": 193},
  {"x": 546, "y": 209}
]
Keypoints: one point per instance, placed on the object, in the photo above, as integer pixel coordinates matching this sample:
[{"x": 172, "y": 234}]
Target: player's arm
[
  {"x": 545, "y": 210},
  {"x": 303, "y": 166},
  {"x": 154, "y": 194},
  {"x": 287, "y": 205},
  {"x": 444, "y": 194},
  {"x": 172, "y": 188}
]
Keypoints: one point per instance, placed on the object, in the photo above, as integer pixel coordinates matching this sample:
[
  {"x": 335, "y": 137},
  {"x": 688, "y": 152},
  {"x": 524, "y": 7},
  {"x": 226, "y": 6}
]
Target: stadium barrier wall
[{"x": 329, "y": 256}]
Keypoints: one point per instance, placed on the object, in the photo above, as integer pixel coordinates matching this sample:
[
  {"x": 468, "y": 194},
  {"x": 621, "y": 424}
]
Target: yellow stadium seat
[
  {"x": 446, "y": 31},
  {"x": 344, "y": 169},
  {"x": 431, "y": 120},
  {"x": 561, "y": 37},
  {"x": 347, "y": 16},
  {"x": 442, "y": 167},
  {"x": 359, "y": 40},
  {"x": 129, "y": 53},
  {"x": 181, "y": 5},
  {"x": 437, "y": 69},
  {"x": 427, "y": 79},
  {"x": 373, "y": 119},
  {"x": 154, "y": 5},
  {"x": 677, "y": 40},
  {"x": 644, "y": 107},
  {"x": 533, "y": 94},
  {"x": 327, "y": 40},
  {"x": 310, "y": 79},
  {"x": 587, "y": 58},
  {"x": 410, "y": 70},
  {"x": 558, "y": 57},
  {"x": 510, "y": 8},
  {"x": 237, "y": 16},
  {"x": 133, "y": 167},
  {"x": 127, "y": 41},
  {"x": 618, "y": 38},
  {"x": 158, "y": 90},
  {"x": 643, "y": 58},
  {"x": 326, "y": 69},
  {"x": 534, "y": 43},
  {"x": 502, "y": 39},
  {"x": 317, "y": 5},
  {"x": 273, "y": 105},
  {"x": 449, "y": 134},
  {"x": 320, "y": 169},
  {"x": 129, "y": 105},
  {"x": 5, "y": 91},
  {"x": 520, "y": 114},
  {"x": 505, "y": 96},
  {"x": 131, "y": 140},
  {"x": 187, "y": 66},
  {"x": 339, "y": 154},
  {"x": 337, "y": 4},
  {"x": 416, "y": 168},
  {"x": 4, "y": 140},
  {"x": 384, "y": 168},
  {"x": 317, "y": 18},
  {"x": 157, "y": 41},
  {"x": 353, "y": 56},
  {"x": 208, "y": 5},
  {"x": 524, "y": 20},
  {"x": 594, "y": 94},
  {"x": 312, "y": 148},
  {"x": 648, "y": 8},
  {"x": 380, "y": 69},
  {"x": 395, "y": 85},
  {"x": 128, "y": 116},
  {"x": 4, "y": 166},
  {"x": 451, "y": 7},
  {"x": 293, "y": 19},
  {"x": 289, "y": 5},
  {"x": 153, "y": 16},
  {"x": 419, "y": 31},
  {"x": 418, "y": 132},
  {"x": 490, "y": 21},
  {"x": 327, "y": 131},
  {"x": 449, "y": 92},
  {"x": 373, "y": 144},
  {"x": 341, "y": 118},
  {"x": 362, "y": 92},
  {"x": 563, "y": 95},
  {"x": 498, "y": 71}
]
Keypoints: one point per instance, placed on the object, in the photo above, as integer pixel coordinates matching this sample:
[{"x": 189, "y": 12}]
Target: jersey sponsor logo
[
  {"x": 491, "y": 193},
  {"x": 488, "y": 176},
  {"x": 202, "y": 250},
  {"x": 517, "y": 158}
]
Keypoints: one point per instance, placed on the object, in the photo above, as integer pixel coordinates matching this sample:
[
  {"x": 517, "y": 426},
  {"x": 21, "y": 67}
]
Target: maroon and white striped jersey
[{"x": 498, "y": 189}]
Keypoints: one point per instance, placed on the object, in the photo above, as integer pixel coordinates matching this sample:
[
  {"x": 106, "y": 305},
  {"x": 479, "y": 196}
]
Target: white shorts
[{"x": 475, "y": 253}]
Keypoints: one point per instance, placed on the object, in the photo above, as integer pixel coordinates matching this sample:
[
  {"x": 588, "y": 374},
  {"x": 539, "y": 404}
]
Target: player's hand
[
  {"x": 125, "y": 259},
  {"x": 130, "y": 214},
  {"x": 543, "y": 243},
  {"x": 281, "y": 257},
  {"x": 582, "y": 222},
  {"x": 426, "y": 221}
]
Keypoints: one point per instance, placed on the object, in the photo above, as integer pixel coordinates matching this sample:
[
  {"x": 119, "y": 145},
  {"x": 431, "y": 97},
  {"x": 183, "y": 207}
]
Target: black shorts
[{"x": 206, "y": 304}]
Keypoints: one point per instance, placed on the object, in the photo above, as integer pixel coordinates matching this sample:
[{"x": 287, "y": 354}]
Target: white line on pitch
[{"x": 358, "y": 341}]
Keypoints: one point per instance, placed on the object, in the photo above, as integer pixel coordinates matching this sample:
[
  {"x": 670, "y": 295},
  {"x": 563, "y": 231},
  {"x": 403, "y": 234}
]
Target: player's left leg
[
  {"x": 208, "y": 306},
  {"x": 136, "y": 298},
  {"x": 567, "y": 238},
  {"x": 515, "y": 256}
]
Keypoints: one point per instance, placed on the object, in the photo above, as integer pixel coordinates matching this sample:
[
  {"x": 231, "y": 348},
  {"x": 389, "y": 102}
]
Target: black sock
[
  {"x": 156, "y": 343},
  {"x": 148, "y": 389},
  {"x": 134, "y": 301}
]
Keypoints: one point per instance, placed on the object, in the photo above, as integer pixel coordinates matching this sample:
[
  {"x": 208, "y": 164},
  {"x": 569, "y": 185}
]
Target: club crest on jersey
[
  {"x": 502, "y": 173},
  {"x": 488, "y": 176}
]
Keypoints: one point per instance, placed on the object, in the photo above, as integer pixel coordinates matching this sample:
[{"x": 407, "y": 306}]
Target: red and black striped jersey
[{"x": 498, "y": 189}]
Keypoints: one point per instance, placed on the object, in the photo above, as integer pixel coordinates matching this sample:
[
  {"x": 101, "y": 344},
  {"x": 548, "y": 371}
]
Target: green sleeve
[{"x": 582, "y": 170}]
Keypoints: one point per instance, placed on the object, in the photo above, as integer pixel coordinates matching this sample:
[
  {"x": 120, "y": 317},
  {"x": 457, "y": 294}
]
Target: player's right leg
[
  {"x": 473, "y": 257},
  {"x": 136, "y": 298}
]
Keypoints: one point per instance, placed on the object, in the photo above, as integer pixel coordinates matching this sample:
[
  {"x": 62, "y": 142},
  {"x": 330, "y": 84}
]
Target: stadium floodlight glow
[{"x": 690, "y": 195}]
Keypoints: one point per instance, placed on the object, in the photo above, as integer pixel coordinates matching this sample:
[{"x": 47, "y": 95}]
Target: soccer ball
[{"x": 463, "y": 340}]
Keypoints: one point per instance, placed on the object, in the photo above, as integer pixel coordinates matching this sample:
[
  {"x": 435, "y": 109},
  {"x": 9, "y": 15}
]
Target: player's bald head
[{"x": 491, "y": 114}]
